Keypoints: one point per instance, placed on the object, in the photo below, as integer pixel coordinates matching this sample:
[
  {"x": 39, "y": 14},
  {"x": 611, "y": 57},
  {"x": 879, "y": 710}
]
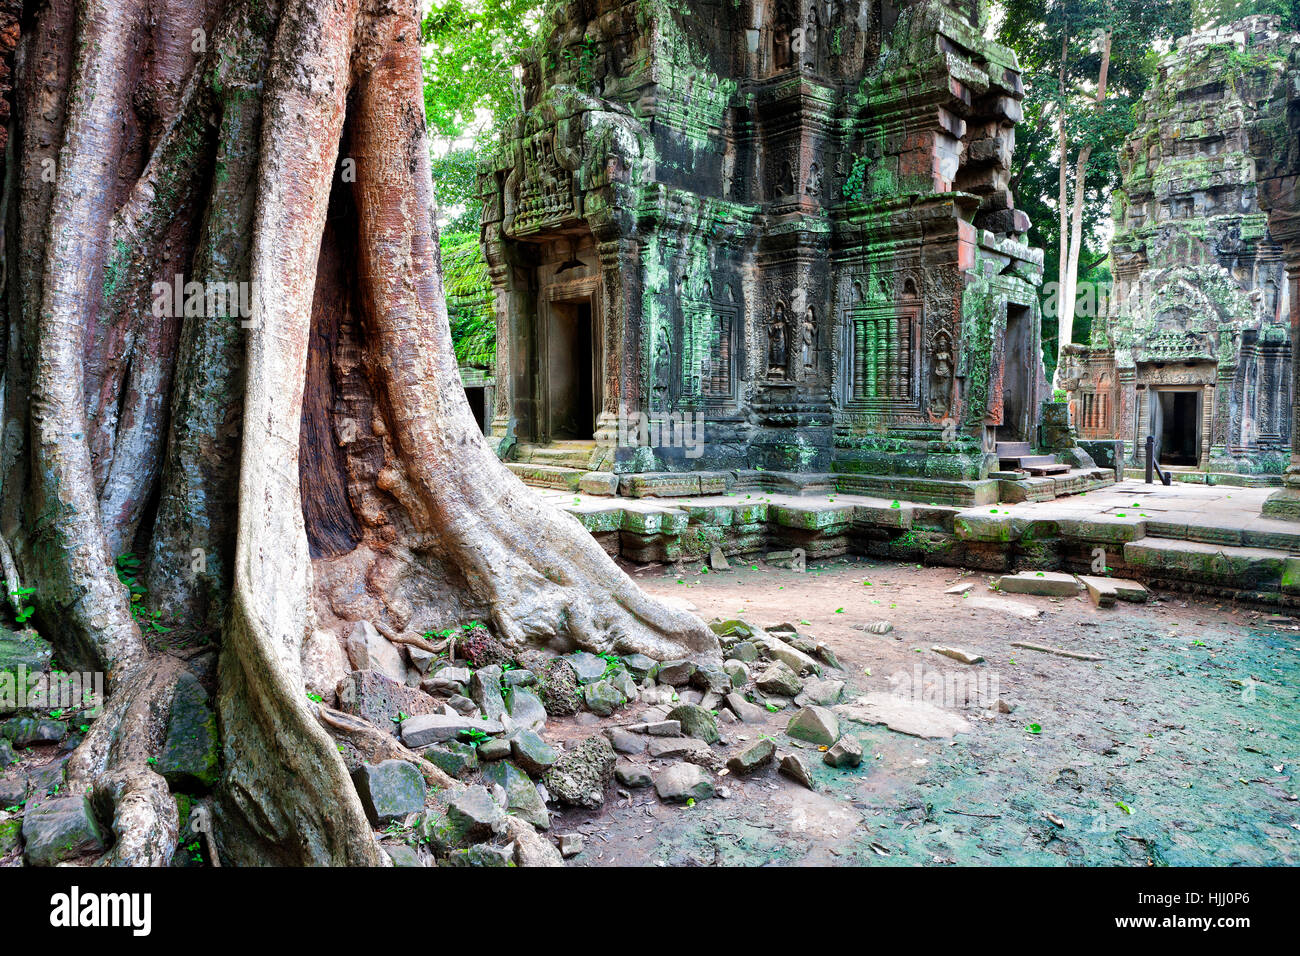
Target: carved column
[
  {"x": 621, "y": 385},
  {"x": 1285, "y": 503}
]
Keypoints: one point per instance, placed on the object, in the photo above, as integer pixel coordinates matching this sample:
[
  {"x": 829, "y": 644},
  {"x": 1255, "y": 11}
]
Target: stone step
[
  {"x": 1014, "y": 449},
  {"x": 1247, "y": 569}
]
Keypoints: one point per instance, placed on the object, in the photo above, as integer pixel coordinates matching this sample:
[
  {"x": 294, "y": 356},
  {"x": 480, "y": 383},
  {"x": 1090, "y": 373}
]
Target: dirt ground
[{"x": 1178, "y": 748}]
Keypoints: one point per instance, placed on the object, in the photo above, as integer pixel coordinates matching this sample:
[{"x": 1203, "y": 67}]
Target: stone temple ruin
[
  {"x": 771, "y": 242},
  {"x": 1196, "y": 345}
]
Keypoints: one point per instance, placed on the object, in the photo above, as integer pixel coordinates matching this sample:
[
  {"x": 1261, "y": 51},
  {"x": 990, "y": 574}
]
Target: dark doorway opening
[
  {"x": 477, "y": 397},
  {"x": 1180, "y": 415},
  {"x": 1018, "y": 379},
  {"x": 569, "y": 371}
]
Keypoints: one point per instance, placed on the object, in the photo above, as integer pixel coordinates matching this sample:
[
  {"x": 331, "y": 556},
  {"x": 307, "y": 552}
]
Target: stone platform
[{"x": 1205, "y": 539}]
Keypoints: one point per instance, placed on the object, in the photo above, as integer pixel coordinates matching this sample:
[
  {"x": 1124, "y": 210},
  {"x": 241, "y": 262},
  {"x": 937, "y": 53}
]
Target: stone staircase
[
  {"x": 559, "y": 465},
  {"x": 1018, "y": 456}
]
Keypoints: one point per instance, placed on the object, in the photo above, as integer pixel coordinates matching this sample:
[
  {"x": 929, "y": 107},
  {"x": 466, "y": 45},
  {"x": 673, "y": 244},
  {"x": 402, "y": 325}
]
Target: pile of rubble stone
[{"x": 484, "y": 723}]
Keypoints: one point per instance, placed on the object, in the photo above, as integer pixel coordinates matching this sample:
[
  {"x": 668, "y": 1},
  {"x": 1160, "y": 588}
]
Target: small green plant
[
  {"x": 23, "y": 610},
  {"x": 127, "y": 567},
  {"x": 316, "y": 697}
]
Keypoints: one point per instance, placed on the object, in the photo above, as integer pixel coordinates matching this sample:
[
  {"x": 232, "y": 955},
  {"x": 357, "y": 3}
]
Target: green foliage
[
  {"x": 472, "y": 89},
  {"x": 469, "y": 300},
  {"x": 127, "y": 567},
  {"x": 23, "y": 610},
  {"x": 1057, "y": 44}
]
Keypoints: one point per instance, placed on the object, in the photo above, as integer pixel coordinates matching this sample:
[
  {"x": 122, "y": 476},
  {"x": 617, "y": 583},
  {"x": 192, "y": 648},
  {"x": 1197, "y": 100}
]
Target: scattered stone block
[
  {"x": 958, "y": 654},
  {"x": 847, "y": 752},
  {"x": 915, "y": 718},
  {"x": 571, "y": 844},
  {"x": 679, "y": 747},
  {"x": 796, "y": 768},
  {"x": 474, "y": 813},
  {"x": 371, "y": 651},
  {"x": 660, "y": 728},
  {"x": 389, "y": 791},
  {"x": 532, "y": 753},
  {"x": 744, "y": 710},
  {"x": 602, "y": 698},
  {"x": 377, "y": 698},
  {"x": 817, "y": 725},
  {"x": 754, "y": 757},
  {"x": 525, "y": 708},
  {"x": 60, "y": 829},
  {"x": 579, "y": 775},
  {"x": 453, "y": 757},
  {"x": 717, "y": 560},
  {"x": 425, "y": 729},
  {"x": 779, "y": 678},
  {"x": 676, "y": 673},
  {"x": 485, "y": 691},
  {"x": 1041, "y": 583},
  {"x": 632, "y": 775},
  {"x": 682, "y": 782},
  {"x": 696, "y": 722}
]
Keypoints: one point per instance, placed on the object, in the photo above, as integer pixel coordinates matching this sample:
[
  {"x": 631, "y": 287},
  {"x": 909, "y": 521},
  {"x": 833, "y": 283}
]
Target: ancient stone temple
[
  {"x": 733, "y": 236},
  {"x": 1195, "y": 347}
]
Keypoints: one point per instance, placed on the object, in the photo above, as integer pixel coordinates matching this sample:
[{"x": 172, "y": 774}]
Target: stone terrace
[{"x": 1210, "y": 539}]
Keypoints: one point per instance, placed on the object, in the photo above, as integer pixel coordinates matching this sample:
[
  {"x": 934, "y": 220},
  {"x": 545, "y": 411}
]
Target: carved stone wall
[
  {"x": 798, "y": 222},
  {"x": 1200, "y": 303}
]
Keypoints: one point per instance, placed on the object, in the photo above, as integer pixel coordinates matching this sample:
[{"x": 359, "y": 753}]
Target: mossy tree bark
[{"x": 285, "y": 470}]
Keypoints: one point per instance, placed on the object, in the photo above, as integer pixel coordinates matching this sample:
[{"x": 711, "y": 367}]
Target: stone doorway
[
  {"x": 1018, "y": 379},
  {"x": 1176, "y": 423},
  {"x": 568, "y": 372}
]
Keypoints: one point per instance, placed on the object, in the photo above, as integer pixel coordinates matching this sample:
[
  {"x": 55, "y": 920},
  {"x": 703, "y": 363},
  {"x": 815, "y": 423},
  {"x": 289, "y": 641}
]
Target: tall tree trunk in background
[
  {"x": 1063, "y": 193},
  {"x": 282, "y": 470},
  {"x": 1070, "y": 277}
]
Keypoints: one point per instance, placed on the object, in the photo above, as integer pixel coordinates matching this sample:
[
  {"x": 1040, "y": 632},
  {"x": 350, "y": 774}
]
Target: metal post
[{"x": 1151, "y": 454}]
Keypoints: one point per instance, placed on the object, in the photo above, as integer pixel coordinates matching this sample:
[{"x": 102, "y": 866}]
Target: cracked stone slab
[{"x": 915, "y": 718}]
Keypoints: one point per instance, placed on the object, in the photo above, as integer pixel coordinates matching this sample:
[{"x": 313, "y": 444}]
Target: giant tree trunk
[{"x": 283, "y": 471}]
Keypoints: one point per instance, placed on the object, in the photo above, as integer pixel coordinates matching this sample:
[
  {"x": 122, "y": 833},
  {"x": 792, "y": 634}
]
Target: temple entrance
[
  {"x": 1177, "y": 425},
  {"x": 1018, "y": 397},
  {"x": 568, "y": 377}
]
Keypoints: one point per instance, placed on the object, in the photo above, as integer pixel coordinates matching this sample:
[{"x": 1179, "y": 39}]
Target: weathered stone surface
[
  {"x": 1042, "y": 583},
  {"x": 587, "y": 666},
  {"x": 561, "y": 695},
  {"x": 13, "y": 788},
  {"x": 747, "y": 712},
  {"x": 625, "y": 742},
  {"x": 683, "y": 747},
  {"x": 474, "y": 813},
  {"x": 632, "y": 775},
  {"x": 570, "y": 844},
  {"x": 11, "y": 836},
  {"x": 452, "y": 757},
  {"x": 745, "y": 651},
  {"x": 711, "y": 677},
  {"x": 428, "y": 729},
  {"x": 379, "y": 699},
  {"x": 27, "y": 731},
  {"x": 485, "y": 691},
  {"x": 522, "y": 798},
  {"x": 525, "y": 708},
  {"x": 795, "y": 766},
  {"x": 371, "y": 651},
  {"x": 675, "y": 673},
  {"x": 754, "y": 757},
  {"x": 658, "y": 728},
  {"x": 602, "y": 698},
  {"x": 60, "y": 829},
  {"x": 324, "y": 664},
  {"x": 481, "y": 854},
  {"x": 958, "y": 654},
  {"x": 743, "y": 329},
  {"x": 389, "y": 791},
  {"x": 847, "y": 752},
  {"x": 823, "y": 693},
  {"x": 496, "y": 749},
  {"x": 190, "y": 755},
  {"x": 816, "y": 725},
  {"x": 23, "y": 649},
  {"x": 696, "y": 722},
  {"x": 777, "y": 678},
  {"x": 403, "y": 856},
  {"x": 682, "y": 782},
  {"x": 532, "y": 753},
  {"x": 737, "y": 671},
  {"x": 904, "y": 715},
  {"x": 579, "y": 776},
  {"x": 640, "y": 666}
]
